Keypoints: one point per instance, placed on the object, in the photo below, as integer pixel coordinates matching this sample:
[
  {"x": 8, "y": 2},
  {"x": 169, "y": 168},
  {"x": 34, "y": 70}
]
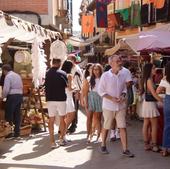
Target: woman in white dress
[
  {"x": 150, "y": 112},
  {"x": 70, "y": 107}
]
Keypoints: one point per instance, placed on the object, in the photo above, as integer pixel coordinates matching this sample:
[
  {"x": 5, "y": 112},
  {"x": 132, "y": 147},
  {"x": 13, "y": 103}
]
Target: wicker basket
[
  {"x": 2, "y": 139},
  {"x": 7, "y": 130},
  {"x": 25, "y": 130}
]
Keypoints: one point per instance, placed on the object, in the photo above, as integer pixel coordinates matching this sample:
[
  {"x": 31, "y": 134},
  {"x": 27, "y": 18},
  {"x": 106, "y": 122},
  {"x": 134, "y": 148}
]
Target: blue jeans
[
  {"x": 166, "y": 134},
  {"x": 12, "y": 111}
]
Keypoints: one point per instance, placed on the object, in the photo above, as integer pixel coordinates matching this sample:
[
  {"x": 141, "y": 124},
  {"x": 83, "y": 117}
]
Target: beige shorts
[
  {"x": 56, "y": 108},
  {"x": 119, "y": 116}
]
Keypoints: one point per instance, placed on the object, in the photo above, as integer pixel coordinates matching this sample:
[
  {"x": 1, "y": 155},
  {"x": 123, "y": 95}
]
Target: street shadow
[
  {"x": 27, "y": 166},
  {"x": 7, "y": 144},
  {"x": 78, "y": 133},
  {"x": 78, "y": 145},
  {"x": 38, "y": 149}
]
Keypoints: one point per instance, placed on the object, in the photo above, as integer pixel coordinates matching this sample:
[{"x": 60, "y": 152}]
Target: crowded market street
[{"x": 34, "y": 152}]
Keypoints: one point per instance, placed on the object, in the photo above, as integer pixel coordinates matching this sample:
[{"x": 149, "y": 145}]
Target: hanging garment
[
  {"x": 125, "y": 14},
  {"x": 122, "y": 4},
  {"x": 105, "y": 1},
  {"x": 147, "y": 14},
  {"x": 148, "y": 1},
  {"x": 120, "y": 21},
  {"x": 135, "y": 14},
  {"x": 159, "y": 4},
  {"x": 101, "y": 14},
  {"x": 162, "y": 14},
  {"x": 112, "y": 22},
  {"x": 87, "y": 24}
]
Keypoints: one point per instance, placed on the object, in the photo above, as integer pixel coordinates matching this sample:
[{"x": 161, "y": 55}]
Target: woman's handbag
[{"x": 149, "y": 97}]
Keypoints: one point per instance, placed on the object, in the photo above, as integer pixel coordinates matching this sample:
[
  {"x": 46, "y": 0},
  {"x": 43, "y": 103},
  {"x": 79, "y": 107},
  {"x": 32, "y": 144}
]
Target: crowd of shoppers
[{"x": 104, "y": 95}]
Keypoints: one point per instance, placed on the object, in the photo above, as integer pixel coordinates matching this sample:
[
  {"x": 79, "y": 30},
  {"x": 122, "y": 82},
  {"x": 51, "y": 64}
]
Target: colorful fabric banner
[
  {"x": 122, "y": 4},
  {"x": 135, "y": 14},
  {"x": 101, "y": 14},
  {"x": 87, "y": 24},
  {"x": 112, "y": 22},
  {"x": 159, "y": 4},
  {"x": 105, "y": 1}
]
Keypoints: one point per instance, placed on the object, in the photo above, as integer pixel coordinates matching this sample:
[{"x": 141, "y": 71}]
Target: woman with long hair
[
  {"x": 70, "y": 108},
  {"x": 150, "y": 112},
  {"x": 164, "y": 87},
  {"x": 86, "y": 74},
  {"x": 93, "y": 102},
  {"x": 87, "y": 70}
]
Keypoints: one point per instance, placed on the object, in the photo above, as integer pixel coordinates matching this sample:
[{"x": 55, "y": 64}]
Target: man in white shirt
[{"x": 114, "y": 101}]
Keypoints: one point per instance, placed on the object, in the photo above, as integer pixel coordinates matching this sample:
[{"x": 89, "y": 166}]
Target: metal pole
[
  {"x": 141, "y": 17},
  {"x": 71, "y": 15},
  {"x": 114, "y": 33}
]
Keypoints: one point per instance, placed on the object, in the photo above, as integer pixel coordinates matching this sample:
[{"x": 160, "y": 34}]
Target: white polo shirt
[
  {"x": 114, "y": 85},
  {"x": 164, "y": 83}
]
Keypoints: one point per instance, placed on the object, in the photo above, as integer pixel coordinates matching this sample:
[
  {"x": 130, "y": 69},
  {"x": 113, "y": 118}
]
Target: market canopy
[
  {"x": 121, "y": 46},
  {"x": 21, "y": 30},
  {"x": 152, "y": 39},
  {"x": 75, "y": 41}
]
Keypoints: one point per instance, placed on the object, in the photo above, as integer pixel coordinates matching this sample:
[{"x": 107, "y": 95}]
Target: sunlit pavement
[{"x": 34, "y": 152}]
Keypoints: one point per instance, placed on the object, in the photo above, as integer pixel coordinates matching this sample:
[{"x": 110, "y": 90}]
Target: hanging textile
[
  {"x": 148, "y": 1},
  {"x": 105, "y": 1},
  {"x": 87, "y": 24},
  {"x": 101, "y": 14},
  {"x": 58, "y": 50},
  {"x": 135, "y": 14},
  {"x": 39, "y": 67},
  {"x": 112, "y": 22},
  {"x": 125, "y": 13},
  {"x": 122, "y": 4},
  {"x": 162, "y": 14},
  {"x": 148, "y": 14},
  {"x": 119, "y": 20},
  {"x": 159, "y": 4}
]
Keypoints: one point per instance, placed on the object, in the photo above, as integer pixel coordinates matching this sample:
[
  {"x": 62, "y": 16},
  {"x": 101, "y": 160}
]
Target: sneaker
[
  {"x": 62, "y": 142},
  {"x": 104, "y": 150},
  {"x": 67, "y": 138},
  {"x": 16, "y": 135},
  {"x": 54, "y": 146},
  {"x": 127, "y": 153},
  {"x": 117, "y": 134},
  {"x": 112, "y": 139}
]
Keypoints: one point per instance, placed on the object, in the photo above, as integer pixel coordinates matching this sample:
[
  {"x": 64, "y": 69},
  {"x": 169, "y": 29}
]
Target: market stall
[{"x": 30, "y": 63}]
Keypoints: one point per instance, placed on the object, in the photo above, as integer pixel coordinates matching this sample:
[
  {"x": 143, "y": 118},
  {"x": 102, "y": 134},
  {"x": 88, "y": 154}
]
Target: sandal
[
  {"x": 164, "y": 153},
  {"x": 155, "y": 148},
  {"x": 147, "y": 146}
]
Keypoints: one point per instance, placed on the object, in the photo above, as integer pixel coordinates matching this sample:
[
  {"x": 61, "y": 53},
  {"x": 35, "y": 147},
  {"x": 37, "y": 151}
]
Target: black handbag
[{"x": 149, "y": 97}]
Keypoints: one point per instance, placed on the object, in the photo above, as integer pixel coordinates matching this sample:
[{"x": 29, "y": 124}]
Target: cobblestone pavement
[{"x": 34, "y": 152}]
